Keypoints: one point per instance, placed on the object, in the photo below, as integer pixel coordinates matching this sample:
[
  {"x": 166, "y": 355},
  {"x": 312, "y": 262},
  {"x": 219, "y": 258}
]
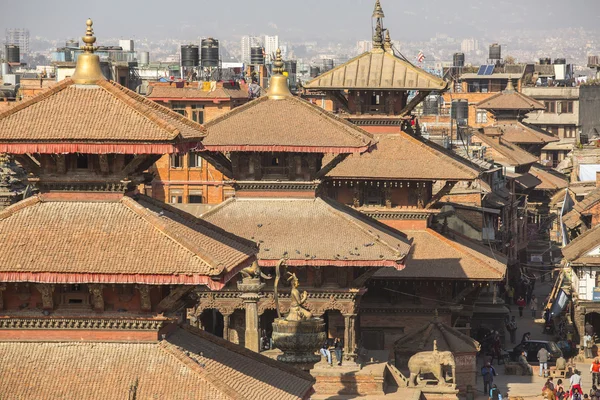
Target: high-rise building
[
  {"x": 362, "y": 46},
  {"x": 271, "y": 46},
  {"x": 19, "y": 37},
  {"x": 469, "y": 45},
  {"x": 247, "y": 43}
]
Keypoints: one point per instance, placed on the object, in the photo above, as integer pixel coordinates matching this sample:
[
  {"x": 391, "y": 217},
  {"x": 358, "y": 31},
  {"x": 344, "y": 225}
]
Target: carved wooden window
[
  {"x": 194, "y": 160},
  {"x": 82, "y": 161},
  {"x": 74, "y": 296}
]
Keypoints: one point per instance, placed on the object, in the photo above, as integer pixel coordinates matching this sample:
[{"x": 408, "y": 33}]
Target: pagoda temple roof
[
  {"x": 585, "y": 249},
  {"x": 188, "y": 363},
  {"x": 287, "y": 124},
  {"x": 519, "y": 133},
  {"x": 317, "y": 232},
  {"x": 510, "y": 100},
  {"x": 115, "y": 239},
  {"x": 377, "y": 69},
  {"x": 103, "y": 117},
  {"x": 446, "y": 337},
  {"x": 403, "y": 156},
  {"x": 505, "y": 152},
  {"x": 434, "y": 256}
]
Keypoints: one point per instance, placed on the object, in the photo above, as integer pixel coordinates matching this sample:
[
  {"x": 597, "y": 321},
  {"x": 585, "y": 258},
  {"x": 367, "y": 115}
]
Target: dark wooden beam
[
  {"x": 220, "y": 162},
  {"x": 414, "y": 102},
  {"x": 139, "y": 164},
  {"x": 443, "y": 191},
  {"x": 339, "y": 96},
  {"x": 331, "y": 165},
  {"x": 30, "y": 163},
  {"x": 362, "y": 279},
  {"x": 173, "y": 299}
]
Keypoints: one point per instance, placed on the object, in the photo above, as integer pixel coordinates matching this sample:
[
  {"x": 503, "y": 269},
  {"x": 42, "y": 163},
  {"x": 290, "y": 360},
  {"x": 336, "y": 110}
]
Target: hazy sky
[{"x": 293, "y": 20}]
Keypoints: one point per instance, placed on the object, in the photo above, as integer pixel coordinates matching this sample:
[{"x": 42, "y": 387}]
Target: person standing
[
  {"x": 510, "y": 292},
  {"x": 511, "y": 327},
  {"x": 543, "y": 355},
  {"x": 521, "y": 304},
  {"x": 575, "y": 382},
  {"x": 337, "y": 348},
  {"x": 488, "y": 372},
  {"x": 595, "y": 370},
  {"x": 587, "y": 345},
  {"x": 533, "y": 306}
]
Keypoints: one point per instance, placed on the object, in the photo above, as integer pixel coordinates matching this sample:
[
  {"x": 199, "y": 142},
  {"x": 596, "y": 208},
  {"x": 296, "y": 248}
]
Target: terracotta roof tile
[
  {"x": 187, "y": 365},
  {"x": 574, "y": 217},
  {"x": 377, "y": 70},
  {"x": 551, "y": 180},
  {"x": 171, "y": 92},
  {"x": 575, "y": 252},
  {"x": 290, "y": 124},
  {"x": 510, "y": 100},
  {"x": 106, "y": 111},
  {"x": 135, "y": 240},
  {"x": 506, "y": 153},
  {"x": 435, "y": 256},
  {"x": 520, "y": 133},
  {"x": 402, "y": 156},
  {"x": 311, "y": 232}
]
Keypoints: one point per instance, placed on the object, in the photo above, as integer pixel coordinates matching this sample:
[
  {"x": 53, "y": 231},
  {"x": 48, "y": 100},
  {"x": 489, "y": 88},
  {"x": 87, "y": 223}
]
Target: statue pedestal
[
  {"x": 299, "y": 341},
  {"x": 251, "y": 288}
]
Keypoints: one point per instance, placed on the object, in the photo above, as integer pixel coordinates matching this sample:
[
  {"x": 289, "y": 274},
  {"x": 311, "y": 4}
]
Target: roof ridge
[
  {"x": 161, "y": 226},
  {"x": 579, "y": 239},
  {"x": 37, "y": 98},
  {"x": 219, "y": 206},
  {"x": 435, "y": 148},
  {"x": 332, "y": 209},
  {"x": 208, "y": 376},
  {"x": 353, "y": 129},
  {"x": 247, "y": 353},
  {"x": 458, "y": 246},
  {"x": 15, "y": 208},
  {"x": 235, "y": 111},
  {"x": 448, "y": 330},
  {"x": 119, "y": 93},
  {"x": 199, "y": 221}
]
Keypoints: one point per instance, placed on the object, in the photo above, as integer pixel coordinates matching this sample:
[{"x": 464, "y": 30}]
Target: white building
[
  {"x": 469, "y": 45},
  {"x": 247, "y": 43},
  {"x": 126, "y": 45},
  {"x": 271, "y": 46}
]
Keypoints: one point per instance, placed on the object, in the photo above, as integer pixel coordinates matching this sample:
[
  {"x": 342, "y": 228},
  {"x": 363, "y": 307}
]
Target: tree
[{"x": 510, "y": 60}]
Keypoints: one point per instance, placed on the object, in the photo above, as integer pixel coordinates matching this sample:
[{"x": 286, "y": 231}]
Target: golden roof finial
[
  {"x": 387, "y": 45},
  {"x": 89, "y": 39},
  {"x": 87, "y": 71},
  {"x": 378, "y": 11},
  {"x": 509, "y": 85},
  {"x": 278, "y": 84},
  {"x": 278, "y": 64}
]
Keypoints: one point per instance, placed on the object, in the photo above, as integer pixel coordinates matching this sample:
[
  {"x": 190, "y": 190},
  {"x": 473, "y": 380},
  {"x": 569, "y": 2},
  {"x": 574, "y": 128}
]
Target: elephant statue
[{"x": 431, "y": 362}]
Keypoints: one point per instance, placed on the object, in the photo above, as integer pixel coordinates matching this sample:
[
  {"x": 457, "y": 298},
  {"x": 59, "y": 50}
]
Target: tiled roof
[
  {"x": 126, "y": 240},
  {"x": 189, "y": 364},
  {"x": 520, "y": 133},
  {"x": 446, "y": 337},
  {"x": 524, "y": 181},
  {"x": 377, "y": 70},
  {"x": 106, "y": 112},
  {"x": 434, "y": 256},
  {"x": 402, "y": 156},
  {"x": 573, "y": 218},
  {"x": 575, "y": 252},
  {"x": 171, "y": 92},
  {"x": 510, "y": 100},
  {"x": 311, "y": 232},
  {"x": 506, "y": 153},
  {"x": 551, "y": 180},
  {"x": 289, "y": 124}
]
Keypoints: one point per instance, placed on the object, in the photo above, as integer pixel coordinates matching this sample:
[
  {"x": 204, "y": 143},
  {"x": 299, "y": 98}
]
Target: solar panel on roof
[
  {"x": 482, "y": 70},
  {"x": 489, "y": 70}
]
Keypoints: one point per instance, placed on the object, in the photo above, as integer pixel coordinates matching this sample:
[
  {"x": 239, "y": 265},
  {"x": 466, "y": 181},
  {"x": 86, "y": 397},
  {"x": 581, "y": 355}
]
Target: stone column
[
  {"x": 251, "y": 288},
  {"x": 350, "y": 337}
]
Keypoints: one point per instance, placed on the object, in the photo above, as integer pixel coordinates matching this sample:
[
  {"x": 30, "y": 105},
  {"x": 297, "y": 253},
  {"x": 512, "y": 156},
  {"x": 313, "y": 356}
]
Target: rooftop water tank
[
  {"x": 209, "y": 53},
  {"x": 189, "y": 55}
]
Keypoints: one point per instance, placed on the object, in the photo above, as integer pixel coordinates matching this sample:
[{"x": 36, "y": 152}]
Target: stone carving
[
  {"x": 65, "y": 323},
  {"x": 254, "y": 271},
  {"x": 145, "y": 302},
  {"x": 431, "y": 362},
  {"x": 97, "y": 296},
  {"x": 47, "y": 292}
]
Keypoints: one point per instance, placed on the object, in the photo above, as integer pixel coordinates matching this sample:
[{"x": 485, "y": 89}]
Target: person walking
[
  {"x": 575, "y": 382},
  {"x": 533, "y": 306},
  {"x": 510, "y": 292},
  {"x": 543, "y": 355},
  {"x": 587, "y": 345},
  {"x": 488, "y": 372},
  {"x": 595, "y": 370},
  {"x": 511, "y": 327},
  {"x": 495, "y": 393},
  {"x": 521, "y": 304}
]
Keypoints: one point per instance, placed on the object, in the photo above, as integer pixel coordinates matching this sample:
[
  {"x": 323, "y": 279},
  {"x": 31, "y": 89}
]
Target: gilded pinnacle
[
  {"x": 87, "y": 71},
  {"x": 89, "y": 39},
  {"x": 387, "y": 45},
  {"x": 278, "y": 64},
  {"x": 378, "y": 11},
  {"x": 278, "y": 85}
]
